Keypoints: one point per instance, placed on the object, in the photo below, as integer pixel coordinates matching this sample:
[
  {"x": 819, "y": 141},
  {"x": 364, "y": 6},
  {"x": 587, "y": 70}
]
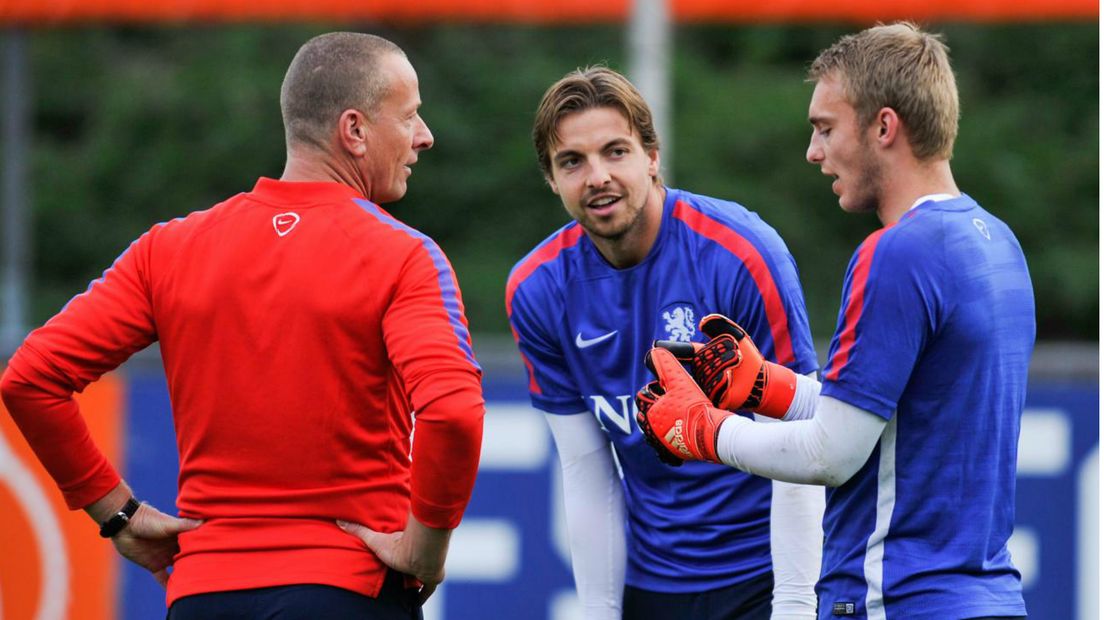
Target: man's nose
[
  {"x": 597, "y": 175},
  {"x": 423, "y": 137},
  {"x": 814, "y": 154}
]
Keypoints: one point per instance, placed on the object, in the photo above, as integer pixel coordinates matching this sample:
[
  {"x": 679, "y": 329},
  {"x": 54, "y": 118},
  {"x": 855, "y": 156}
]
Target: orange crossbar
[
  {"x": 870, "y": 11},
  {"x": 57, "y": 12}
]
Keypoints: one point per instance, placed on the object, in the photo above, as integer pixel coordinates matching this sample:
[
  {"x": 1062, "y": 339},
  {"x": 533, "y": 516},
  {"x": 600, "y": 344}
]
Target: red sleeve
[
  {"x": 428, "y": 342},
  {"x": 98, "y": 330}
]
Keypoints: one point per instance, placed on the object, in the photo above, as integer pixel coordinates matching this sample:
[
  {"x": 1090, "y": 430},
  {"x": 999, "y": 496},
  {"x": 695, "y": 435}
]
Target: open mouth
[{"x": 604, "y": 204}]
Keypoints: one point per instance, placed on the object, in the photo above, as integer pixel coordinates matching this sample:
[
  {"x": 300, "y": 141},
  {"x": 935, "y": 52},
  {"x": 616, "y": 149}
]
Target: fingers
[
  {"x": 172, "y": 526},
  {"x": 648, "y": 395},
  {"x": 667, "y": 368},
  {"x": 153, "y": 554},
  {"x": 178, "y": 526},
  {"x": 387, "y": 547},
  {"x": 149, "y": 522},
  {"x": 683, "y": 351},
  {"x": 714, "y": 325},
  {"x": 368, "y": 536}
]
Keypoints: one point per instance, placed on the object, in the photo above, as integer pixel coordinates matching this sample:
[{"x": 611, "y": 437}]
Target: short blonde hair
[
  {"x": 584, "y": 89},
  {"x": 902, "y": 67},
  {"x": 332, "y": 73}
]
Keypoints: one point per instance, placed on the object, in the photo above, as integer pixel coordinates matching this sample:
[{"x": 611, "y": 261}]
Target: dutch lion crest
[{"x": 679, "y": 323}]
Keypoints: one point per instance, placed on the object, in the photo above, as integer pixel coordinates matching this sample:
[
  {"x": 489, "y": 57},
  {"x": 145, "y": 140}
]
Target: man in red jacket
[{"x": 304, "y": 331}]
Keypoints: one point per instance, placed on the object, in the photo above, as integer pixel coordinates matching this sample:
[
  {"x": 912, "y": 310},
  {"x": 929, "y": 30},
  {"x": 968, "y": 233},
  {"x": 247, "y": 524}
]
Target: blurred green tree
[{"x": 133, "y": 126}]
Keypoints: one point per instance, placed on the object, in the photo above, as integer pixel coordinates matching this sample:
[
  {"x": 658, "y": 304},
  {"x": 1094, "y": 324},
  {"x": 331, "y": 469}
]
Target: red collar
[{"x": 302, "y": 193}]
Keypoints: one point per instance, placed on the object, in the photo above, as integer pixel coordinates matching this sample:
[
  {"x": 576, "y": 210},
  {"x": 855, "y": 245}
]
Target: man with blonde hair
[
  {"x": 917, "y": 420},
  {"x": 303, "y": 330},
  {"x": 643, "y": 261}
]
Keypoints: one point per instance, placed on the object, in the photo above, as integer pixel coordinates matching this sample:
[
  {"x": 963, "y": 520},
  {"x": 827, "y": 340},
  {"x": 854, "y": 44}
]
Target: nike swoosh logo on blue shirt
[{"x": 583, "y": 343}]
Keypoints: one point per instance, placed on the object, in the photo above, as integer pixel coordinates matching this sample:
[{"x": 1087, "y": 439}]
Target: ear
[
  {"x": 887, "y": 126},
  {"x": 352, "y": 132},
  {"x": 552, "y": 184},
  {"x": 653, "y": 163}
]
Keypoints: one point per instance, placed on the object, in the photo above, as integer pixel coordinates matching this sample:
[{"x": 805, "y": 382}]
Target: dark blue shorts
[
  {"x": 747, "y": 600},
  {"x": 301, "y": 602}
]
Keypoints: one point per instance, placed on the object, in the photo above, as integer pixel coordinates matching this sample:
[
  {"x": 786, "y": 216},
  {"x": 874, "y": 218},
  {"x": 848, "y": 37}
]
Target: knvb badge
[
  {"x": 679, "y": 321},
  {"x": 285, "y": 222}
]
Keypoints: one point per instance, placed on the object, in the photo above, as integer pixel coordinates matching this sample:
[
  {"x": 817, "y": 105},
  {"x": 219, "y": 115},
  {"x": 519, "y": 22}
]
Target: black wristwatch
[{"x": 119, "y": 520}]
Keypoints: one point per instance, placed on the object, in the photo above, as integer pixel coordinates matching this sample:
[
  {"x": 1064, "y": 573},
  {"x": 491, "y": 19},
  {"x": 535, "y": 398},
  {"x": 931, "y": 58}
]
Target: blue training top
[
  {"x": 935, "y": 332},
  {"x": 583, "y": 328}
]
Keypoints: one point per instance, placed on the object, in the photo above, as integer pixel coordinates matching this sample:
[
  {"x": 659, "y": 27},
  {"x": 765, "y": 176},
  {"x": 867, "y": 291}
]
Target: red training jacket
[{"x": 305, "y": 332}]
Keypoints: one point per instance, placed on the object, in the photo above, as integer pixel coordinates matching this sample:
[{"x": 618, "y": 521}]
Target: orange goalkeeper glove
[
  {"x": 732, "y": 372},
  {"x": 675, "y": 416}
]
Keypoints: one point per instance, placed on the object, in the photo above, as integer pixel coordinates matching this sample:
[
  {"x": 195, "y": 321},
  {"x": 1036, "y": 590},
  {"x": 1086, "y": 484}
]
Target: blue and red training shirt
[
  {"x": 935, "y": 332},
  {"x": 583, "y": 328}
]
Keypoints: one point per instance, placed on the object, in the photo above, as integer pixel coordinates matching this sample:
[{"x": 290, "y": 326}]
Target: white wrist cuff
[{"x": 804, "y": 402}]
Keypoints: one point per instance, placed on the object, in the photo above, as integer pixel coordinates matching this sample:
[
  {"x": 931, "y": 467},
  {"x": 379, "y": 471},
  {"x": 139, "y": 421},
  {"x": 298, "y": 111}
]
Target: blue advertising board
[{"x": 509, "y": 559}]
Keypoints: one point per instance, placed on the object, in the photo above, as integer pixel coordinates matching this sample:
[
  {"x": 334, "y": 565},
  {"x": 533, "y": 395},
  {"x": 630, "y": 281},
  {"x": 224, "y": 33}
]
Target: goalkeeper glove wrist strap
[{"x": 779, "y": 384}]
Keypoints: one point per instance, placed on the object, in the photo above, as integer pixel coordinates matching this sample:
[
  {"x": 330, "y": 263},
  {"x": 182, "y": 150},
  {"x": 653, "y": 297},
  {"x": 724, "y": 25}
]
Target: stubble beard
[
  {"x": 616, "y": 233},
  {"x": 871, "y": 176}
]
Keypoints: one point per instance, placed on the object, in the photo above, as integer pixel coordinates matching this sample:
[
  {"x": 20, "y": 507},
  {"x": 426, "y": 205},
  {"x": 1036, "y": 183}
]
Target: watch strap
[{"x": 120, "y": 519}]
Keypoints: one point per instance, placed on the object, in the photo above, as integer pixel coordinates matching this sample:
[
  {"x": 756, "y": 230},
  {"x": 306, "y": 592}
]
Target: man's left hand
[{"x": 150, "y": 540}]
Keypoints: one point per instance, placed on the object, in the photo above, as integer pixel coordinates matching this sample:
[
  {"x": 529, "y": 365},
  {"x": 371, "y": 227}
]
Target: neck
[
  {"x": 911, "y": 181},
  {"x": 308, "y": 164},
  {"x": 633, "y": 247}
]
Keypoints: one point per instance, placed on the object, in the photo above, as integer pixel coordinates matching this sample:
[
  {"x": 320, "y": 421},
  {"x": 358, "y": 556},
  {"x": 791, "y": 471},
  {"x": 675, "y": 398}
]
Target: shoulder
[
  {"x": 727, "y": 234},
  {"x": 724, "y": 222},
  {"x": 914, "y": 240},
  {"x": 908, "y": 251},
  {"x": 363, "y": 218},
  {"x": 193, "y": 224},
  {"x": 542, "y": 269}
]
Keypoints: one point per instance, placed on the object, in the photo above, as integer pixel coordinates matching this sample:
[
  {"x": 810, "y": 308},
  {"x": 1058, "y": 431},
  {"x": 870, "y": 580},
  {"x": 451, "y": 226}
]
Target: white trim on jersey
[{"x": 874, "y": 563}]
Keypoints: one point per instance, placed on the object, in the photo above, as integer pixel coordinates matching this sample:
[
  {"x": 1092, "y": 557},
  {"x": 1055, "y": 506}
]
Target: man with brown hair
[
  {"x": 917, "y": 419},
  {"x": 303, "y": 331},
  {"x": 642, "y": 261}
]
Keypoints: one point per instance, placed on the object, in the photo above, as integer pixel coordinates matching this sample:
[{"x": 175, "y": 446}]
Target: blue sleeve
[
  {"x": 891, "y": 305},
  {"x": 551, "y": 387}
]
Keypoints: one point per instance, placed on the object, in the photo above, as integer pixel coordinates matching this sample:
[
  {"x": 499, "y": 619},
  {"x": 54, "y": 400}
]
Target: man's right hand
[{"x": 418, "y": 551}]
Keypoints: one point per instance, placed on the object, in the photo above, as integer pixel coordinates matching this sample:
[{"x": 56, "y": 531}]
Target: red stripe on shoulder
[
  {"x": 755, "y": 264},
  {"x": 548, "y": 252},
  {"x": 853, "y": 312}
]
